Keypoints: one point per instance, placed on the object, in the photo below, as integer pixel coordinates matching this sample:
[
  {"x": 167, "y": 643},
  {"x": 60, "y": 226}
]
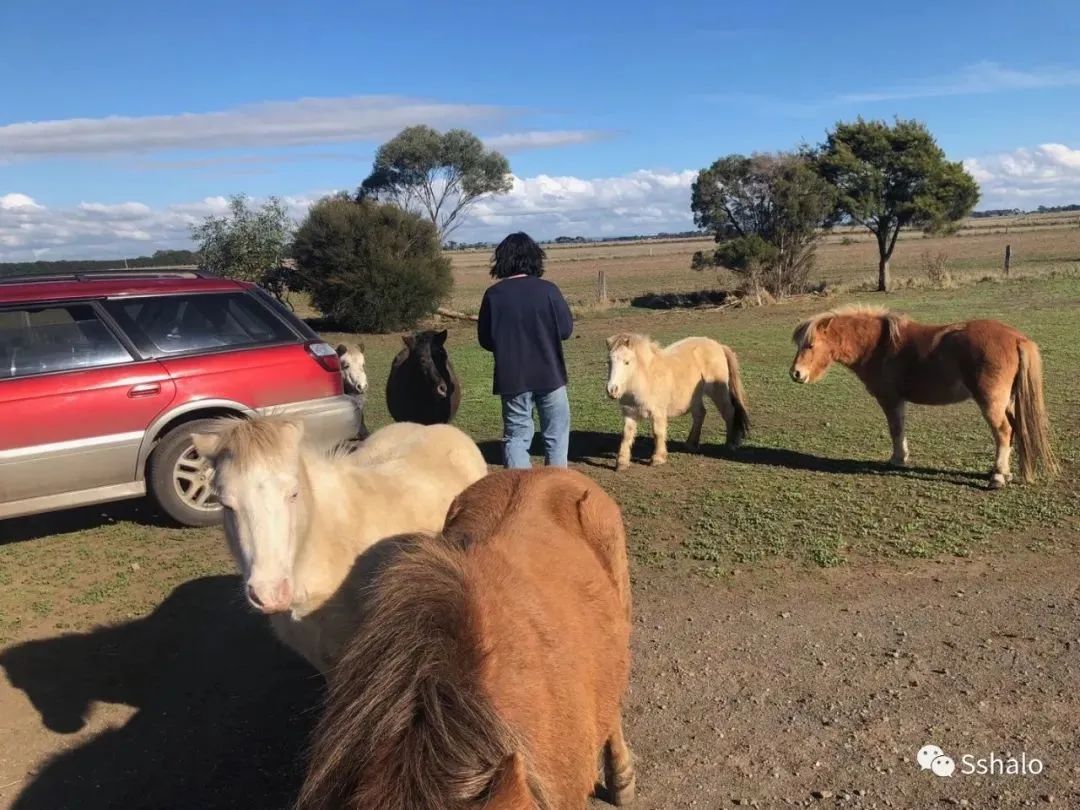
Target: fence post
[
  {"x": 1008, "y": 257},
  {"x": 601, "y": 288}
]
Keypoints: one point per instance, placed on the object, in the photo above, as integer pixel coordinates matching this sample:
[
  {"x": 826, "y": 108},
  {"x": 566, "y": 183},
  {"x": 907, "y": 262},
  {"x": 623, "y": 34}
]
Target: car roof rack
[{"x": 120, "y": 273}]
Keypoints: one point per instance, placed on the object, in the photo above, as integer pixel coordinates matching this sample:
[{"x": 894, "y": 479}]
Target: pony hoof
[
  {"x": 997, "y": 481},
  {"x": 899, "y": 463},
  {"x": 621, "y": 465},
  {"x": 622, "y": 796},
  {"x": 693, "y": 447},
  {"x": 656, "y": 461}
]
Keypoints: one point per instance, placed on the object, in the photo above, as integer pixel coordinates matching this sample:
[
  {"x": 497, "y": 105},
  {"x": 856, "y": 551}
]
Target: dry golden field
[{"x": 847, "y": 258}]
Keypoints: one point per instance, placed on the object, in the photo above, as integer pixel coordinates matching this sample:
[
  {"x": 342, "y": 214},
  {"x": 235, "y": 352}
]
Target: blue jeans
[{"x": 518, "y": 428}]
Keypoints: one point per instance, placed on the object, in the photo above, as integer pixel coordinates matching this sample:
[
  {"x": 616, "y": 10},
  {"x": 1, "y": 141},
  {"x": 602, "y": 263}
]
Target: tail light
[{"x": 324, "y": 355}]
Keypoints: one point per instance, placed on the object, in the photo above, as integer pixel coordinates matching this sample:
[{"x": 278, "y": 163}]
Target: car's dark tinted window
[
  {"x": 56, "y": 337},
  {"x": 176, "y": 324}
]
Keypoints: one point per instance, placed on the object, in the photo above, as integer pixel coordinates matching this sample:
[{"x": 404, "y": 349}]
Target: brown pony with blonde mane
[
  {"x": 489, "y": 667},
  {"x": 901, "y": 361}
]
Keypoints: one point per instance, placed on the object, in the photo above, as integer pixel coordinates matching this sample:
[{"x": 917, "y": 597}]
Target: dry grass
[{"x": 846, "y": 259}]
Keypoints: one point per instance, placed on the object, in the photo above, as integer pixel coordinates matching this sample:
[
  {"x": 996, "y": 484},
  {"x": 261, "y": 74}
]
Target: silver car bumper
[{"x": 326, "y": 421}]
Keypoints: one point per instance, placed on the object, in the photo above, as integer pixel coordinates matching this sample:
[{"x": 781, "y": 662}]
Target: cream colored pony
[
  {"x": 657, "y": 383},
  {"x": 298, "y": 517}
]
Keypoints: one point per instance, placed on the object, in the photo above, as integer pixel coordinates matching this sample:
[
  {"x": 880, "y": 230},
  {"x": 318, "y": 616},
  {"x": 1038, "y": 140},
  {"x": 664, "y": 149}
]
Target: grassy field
[{"x": 809, "y": 486}]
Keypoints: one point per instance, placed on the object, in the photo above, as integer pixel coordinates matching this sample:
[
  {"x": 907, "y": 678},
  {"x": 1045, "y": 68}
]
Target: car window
[
  {"x": 56, "y": 337},
  {"x": 176, "y": 324}
]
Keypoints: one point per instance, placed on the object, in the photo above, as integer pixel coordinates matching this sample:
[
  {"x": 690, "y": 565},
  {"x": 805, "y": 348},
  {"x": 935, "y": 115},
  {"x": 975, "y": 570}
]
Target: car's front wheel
[{"x": 181, "y": 480}]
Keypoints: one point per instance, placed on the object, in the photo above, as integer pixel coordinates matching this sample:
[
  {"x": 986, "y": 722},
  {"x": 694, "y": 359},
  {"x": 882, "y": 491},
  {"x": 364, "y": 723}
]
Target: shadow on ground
[
  {"x": 586, "y": 447},
  {"x": 223, "y": 711},
  {"x": 32, "y": 527},
  {"x": 595, "y": 449}
]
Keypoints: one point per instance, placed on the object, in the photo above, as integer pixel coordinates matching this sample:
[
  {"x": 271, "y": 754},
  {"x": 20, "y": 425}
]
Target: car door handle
[{"x": 144, "y": 390}]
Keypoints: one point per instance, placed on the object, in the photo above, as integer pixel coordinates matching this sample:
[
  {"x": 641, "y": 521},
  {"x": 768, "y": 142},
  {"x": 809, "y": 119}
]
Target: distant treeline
[
  {"x": 158, "y": 259},
  {"x": 584, "y": 240},
  {"x": 1015, "y": 212}
]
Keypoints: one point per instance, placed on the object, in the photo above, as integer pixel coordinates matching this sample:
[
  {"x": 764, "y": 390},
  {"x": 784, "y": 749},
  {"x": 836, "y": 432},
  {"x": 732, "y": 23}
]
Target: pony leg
[
  {"x": 628, "y": 434},
  {"x": 659, "y": 425},
  {"x": 619, "y": 778},
  {"x": 895, "y": 414},
  {"x": 996, "y": 413},
  {"x": 721, "y": 397},
  {"x": 697, "y": 411}
]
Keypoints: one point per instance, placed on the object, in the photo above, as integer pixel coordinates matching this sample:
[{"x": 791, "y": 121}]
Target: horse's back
[{"x": 546, "y": 558}]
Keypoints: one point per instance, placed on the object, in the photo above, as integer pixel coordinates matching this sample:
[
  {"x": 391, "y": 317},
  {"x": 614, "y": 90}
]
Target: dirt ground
[{"x": 782, "y": 686}]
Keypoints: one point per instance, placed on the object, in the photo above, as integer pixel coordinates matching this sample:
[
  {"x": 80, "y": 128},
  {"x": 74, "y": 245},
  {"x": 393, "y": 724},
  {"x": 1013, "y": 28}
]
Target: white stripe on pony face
[
  {"x": 353, "y": 369},
  {"x": 622, "y": 365}
]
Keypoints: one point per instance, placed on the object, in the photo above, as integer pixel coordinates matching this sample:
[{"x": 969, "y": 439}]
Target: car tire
[{"x": 175, "y": 480}]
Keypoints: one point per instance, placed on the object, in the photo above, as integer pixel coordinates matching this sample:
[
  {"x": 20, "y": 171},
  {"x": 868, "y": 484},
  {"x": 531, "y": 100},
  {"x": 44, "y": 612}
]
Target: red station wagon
[{"x": 104, "y": 376}]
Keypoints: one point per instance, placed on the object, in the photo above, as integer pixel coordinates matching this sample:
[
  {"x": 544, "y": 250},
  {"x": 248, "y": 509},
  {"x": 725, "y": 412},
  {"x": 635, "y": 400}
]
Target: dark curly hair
[{"x": 518, "y": 255}]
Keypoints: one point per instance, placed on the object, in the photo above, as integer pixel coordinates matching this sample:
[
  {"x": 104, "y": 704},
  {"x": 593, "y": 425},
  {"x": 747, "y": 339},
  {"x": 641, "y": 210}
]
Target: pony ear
[
  {"x": 824, "y": 323},
  {"x": 360, "y": 346},
  {"x": 509, "y": 788},
  {"x": 440, "y": 337},
  {"x": 341, "y": 349},
  {"x": 207, "y": 445},
  {"x": 409, "y": 341}
]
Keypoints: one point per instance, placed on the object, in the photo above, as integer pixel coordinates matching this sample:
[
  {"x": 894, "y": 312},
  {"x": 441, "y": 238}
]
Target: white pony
[
  {"x": 353, "y": 367},
  {"x": 297, "y": 518},
  {"x": 354, "y": 380},
  {"x": 657, "y": 383}
]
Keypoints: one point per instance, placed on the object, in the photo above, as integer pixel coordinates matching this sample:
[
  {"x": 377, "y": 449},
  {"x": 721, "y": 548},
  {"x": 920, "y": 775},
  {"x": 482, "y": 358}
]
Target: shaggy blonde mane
[
  {"x": 632, "y": 340},
  {"x": 804, "y": 330},
  {"x": 250, "y": 442}
]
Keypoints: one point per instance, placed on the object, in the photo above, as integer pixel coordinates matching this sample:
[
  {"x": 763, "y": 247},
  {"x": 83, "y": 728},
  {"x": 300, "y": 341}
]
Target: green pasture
[{"x": 809, "y": 486}]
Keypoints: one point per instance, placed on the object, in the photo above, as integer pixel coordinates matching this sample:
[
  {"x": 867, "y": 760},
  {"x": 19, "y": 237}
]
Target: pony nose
[
  {"x": 441, "y": 390},
  {"x": 613, "y": 391},
  {"x": 796, "y": 374},
  {"x": 273, "y": 600}
]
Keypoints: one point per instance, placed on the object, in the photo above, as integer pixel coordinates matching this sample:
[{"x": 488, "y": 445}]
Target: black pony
[{"x": 423, "y": 387}]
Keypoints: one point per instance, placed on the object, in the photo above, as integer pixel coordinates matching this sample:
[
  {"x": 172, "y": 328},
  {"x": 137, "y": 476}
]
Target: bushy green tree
[
  {"x": 893, "y": 177},
  {"x": 247, "y": 244},
  {"x": 440, "y": 175},
  {"x": 764, "y": 212},
  {"x": 370, "y": 266}
]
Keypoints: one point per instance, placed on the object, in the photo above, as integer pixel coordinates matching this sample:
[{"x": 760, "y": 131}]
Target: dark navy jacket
[{"x": 523, "y": 321}]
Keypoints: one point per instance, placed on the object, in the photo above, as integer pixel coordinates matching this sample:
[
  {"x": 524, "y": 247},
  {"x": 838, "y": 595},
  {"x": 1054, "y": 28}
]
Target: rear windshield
[{"x": 177, "y": 324}]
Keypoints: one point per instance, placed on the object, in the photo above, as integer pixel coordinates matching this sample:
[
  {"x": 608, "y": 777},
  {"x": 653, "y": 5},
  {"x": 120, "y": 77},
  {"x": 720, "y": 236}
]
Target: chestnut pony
[
  {"x": 489, "y": 667},
  {"x": 900, "y": 361}
]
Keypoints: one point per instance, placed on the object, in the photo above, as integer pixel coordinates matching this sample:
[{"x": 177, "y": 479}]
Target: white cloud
[
  {"x": 641, "y": 202},
  {"x": 982, "y": 77},
  {"x": 976, "y": 79},
  {"x": 299, "y": 122},
  {"x": 543, "y": 139},
  {"x": 1025, "y": 178},
  {"x": 638, "y": 203},
  {"x": 15, "y": 202},
  {"x": 273, "y": 123}
]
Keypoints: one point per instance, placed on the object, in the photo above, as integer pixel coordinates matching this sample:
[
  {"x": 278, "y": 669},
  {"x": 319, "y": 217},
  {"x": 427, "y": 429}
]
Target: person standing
[{"x": 523, "y": 321}]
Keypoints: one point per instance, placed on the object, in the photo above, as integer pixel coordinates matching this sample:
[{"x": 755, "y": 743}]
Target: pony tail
[
  {"x": 740, "y": 423},
  {"x": 1032, "y": 433}
]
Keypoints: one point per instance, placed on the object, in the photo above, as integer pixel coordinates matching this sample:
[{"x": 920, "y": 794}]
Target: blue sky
[{"x": 121, "y": 122}]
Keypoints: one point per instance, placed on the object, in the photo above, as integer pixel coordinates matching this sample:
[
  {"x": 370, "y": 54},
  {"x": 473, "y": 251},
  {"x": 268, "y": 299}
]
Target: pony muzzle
[
  {"x": 273, "y": 598},
  {"x": 798, "y": 375},
  {"x": 613, "y": 391}
]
